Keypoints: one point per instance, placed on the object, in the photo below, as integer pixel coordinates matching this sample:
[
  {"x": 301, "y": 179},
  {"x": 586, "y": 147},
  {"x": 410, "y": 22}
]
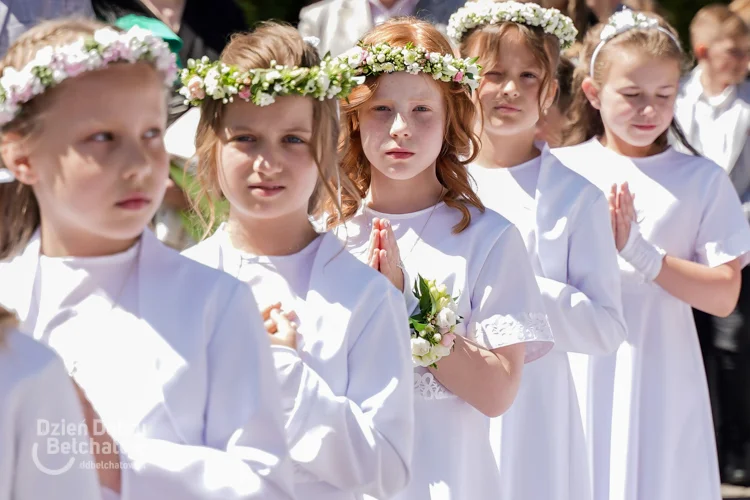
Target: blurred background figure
[
  {"x": 17, "y": 16},
  {"x": 713, "y": 109}
]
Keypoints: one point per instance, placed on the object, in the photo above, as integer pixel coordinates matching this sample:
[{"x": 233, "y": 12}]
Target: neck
[
  {"x": 611, "y": 141},
  {"x": 392, "y": 196},
  {"x": 504, "y": 151},
  {"x": 56, "y": 243},
  {"x": 270, "y": 237},
  {"x": 712, "y": 86}
]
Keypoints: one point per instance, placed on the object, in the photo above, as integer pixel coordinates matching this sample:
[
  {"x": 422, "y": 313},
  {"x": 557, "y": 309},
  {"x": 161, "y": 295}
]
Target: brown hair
[
  {"x": 586, "y": 121},
  {"x": 460, "y": 141},
  {"x": 282, "y": 43},
  {"x": 486, "y": 42},
  {"x": 18, "y": 205},
  {"x": 8, "y": 320},
  {"x": 714, "y": 22}
]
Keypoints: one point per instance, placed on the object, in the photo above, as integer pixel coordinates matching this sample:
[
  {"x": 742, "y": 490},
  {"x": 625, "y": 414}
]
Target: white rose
[
  {"x": 265, "y": 99},
  {"x": 272, "y": 75},
  {"x": 441, "y": 350},
  {"x": 106, "y": 36},
  {"x": 419, "y": 346},
  {"x": 446, "y": 318}
]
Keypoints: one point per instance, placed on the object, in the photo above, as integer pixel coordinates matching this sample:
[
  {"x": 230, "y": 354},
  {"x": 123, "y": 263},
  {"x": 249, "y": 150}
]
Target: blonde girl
[
  {"x": 175, "y": 367},
  {"x": 344, "y": 362},
  {"x": 681, "y": 243}
]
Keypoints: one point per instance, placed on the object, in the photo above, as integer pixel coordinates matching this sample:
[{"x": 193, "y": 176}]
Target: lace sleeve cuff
[{"x": 502, "y": 330}]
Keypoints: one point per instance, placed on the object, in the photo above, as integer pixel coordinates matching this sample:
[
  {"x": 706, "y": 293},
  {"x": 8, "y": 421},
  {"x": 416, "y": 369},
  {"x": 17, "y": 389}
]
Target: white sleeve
[
  {"x": 586, "y": 313},
  {"x": 360, "y": 441},
  {"x": 245, "y": 455},
  {"x": 43, "y": 468},
  {"x": 724, "y": 233},
  {"x": 506, "y": 306}
]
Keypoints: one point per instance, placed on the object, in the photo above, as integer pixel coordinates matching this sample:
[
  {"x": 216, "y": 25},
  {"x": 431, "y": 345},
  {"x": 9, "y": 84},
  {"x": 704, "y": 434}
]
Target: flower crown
[
  {"x": 626, "y": 20},
  {"x": 215, "y": 80},
  {"x": 51, "y": 65},
  {"x": 474, "y": 14},
  {"x": 373, "y": 60}
]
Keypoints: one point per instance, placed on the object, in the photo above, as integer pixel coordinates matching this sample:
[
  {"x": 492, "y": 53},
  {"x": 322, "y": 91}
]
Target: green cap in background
[{"x": 156, "y": 27}]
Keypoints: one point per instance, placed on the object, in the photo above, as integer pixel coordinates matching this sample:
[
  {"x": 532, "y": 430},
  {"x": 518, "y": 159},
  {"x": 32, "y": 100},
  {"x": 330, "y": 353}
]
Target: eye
[
  {"x": 421, "y": 108},
  {"x": 630, "y": 94},
  {"x": 664, "y": 96},
  {"x": 153, "y": 133},
  {"x": 293, "y": 139},
  {"x": 244, "y": 138},
  {"x": 381, "y": 108},
  {"x": 101, "y": 137},
  {"x": 527, "y": 74}
]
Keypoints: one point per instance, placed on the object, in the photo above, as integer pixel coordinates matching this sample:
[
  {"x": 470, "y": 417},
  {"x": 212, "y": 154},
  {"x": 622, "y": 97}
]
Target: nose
[
  {"x": 399, "y": 127},
  {"x": 510, "y": 89},
  {"x": 140, "y": 164},
  {"x": 649, "y": 111},
  {"x": 266, "y": 162}
]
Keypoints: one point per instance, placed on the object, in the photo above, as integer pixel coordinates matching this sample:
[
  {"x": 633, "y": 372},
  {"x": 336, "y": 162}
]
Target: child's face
[
  {"x": 510, "y": 89},
  {"x": 267, "y": 169},
  {"x": 99, "y": 168},
  {"x": 727, "y": 59},
  {"x": 402, "y": 126},
  {"x": 637, "y": 98}
]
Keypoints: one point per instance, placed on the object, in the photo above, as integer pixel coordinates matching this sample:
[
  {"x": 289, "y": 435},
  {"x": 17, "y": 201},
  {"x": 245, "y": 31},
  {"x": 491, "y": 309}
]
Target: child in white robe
[
  {"x": 681, "y": 243},
  {"x": 405, "y": 135},
  {"x": 345, "y": 363},
  {"x": 566, "y": 227},
  {"x": 38, "y": 406},
  {"x": 175, "y": 365}
]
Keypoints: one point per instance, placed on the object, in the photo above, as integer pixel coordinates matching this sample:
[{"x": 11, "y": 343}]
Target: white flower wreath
[
  {"x": 623, "y": 21},
  {"x": 372, "y": 60},
  {"x": 481, "y": 12},
  {"x": 51, "y": 65},
  {"x": 215, "y": 80}
]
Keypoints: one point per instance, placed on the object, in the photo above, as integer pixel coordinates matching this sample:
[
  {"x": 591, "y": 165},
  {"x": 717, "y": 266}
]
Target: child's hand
[
  {"x": 622, "y": 213},
  {"x": 384, "y": 254},
  {"x": 285, "y": 329}
]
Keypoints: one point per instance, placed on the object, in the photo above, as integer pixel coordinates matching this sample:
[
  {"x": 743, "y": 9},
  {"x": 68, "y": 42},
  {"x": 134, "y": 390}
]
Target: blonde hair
[
  {"x": 486, "y": 42},
  {"x": 586, "y": 121},
  {"x": 282, "y": 43},
  {"x": 714, "y": 22},
  {"x": 18, "y": 204},
  {"x": 742, "y": 9},
  {"x": 459, "y": 142}
]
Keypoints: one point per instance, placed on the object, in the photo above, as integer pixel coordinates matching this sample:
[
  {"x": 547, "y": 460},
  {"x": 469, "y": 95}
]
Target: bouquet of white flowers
[{"x": 432, "y": 328}]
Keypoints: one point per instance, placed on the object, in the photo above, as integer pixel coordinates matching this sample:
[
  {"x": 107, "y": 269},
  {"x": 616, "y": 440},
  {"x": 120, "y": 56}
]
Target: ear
[
  {"x": 15, "y": 155},
  {"x": 700, "y": 51},
  {"x": 591, "y": 91}
]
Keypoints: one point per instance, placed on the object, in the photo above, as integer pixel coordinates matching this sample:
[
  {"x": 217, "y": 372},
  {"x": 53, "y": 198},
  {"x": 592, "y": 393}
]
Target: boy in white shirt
[{"x": 713, "y": 109}]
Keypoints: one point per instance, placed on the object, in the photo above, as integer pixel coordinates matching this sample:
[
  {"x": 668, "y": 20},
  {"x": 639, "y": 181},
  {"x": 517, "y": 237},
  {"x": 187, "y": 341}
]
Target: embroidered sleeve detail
[
  {"x": 504, "y": 330},
  {"x": 427, "y": 386}
]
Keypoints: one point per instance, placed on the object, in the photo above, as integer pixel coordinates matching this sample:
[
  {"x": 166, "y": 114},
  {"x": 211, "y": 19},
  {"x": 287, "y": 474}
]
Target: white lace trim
[
  {"x": 427, "y": 386},
  {"x": 502, "y": 330}
]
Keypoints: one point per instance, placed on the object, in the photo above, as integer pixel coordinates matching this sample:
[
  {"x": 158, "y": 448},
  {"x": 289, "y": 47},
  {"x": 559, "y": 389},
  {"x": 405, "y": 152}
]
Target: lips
[
  {"x": 507, "y": 108},
  {"x": 645, "y": 127},
  {"x": 266, "y": 189},
  {"x": 399, "y": 153},
  {"x": 134, "y": 202}
]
